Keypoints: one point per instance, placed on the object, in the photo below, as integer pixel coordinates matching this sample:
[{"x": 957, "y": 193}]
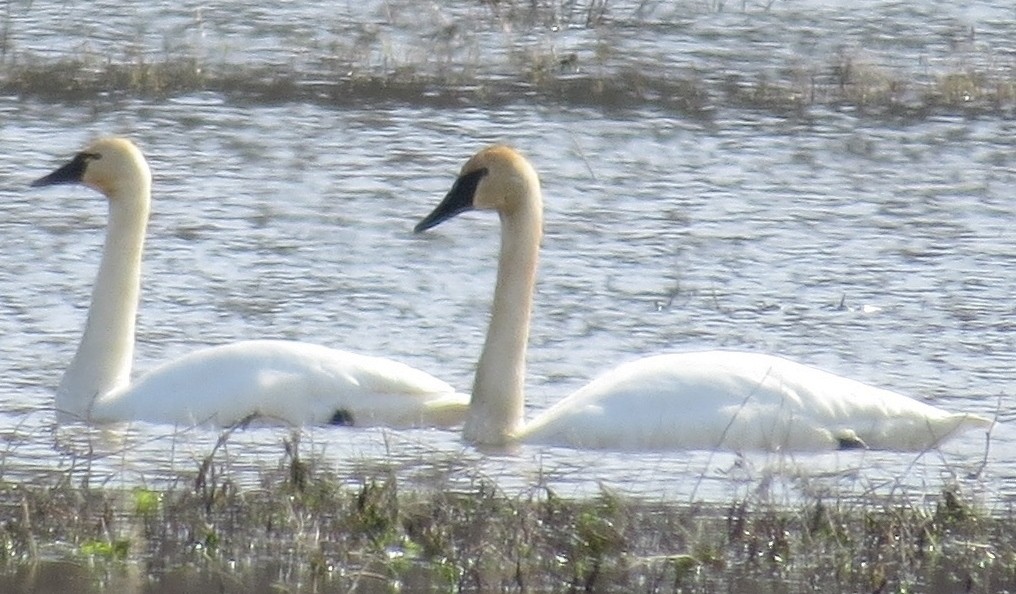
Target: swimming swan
[
  {"x": 697, "y": 400},
  {"x": 277, "y": 380}
]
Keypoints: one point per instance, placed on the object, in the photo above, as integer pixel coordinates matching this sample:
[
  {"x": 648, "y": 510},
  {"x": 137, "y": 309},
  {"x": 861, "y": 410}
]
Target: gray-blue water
[{"x": 877, "y": 248}]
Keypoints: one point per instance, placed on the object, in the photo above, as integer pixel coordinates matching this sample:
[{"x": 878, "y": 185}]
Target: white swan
[
  {"x": 277, "y": 380},
  {"x": 698, "y": 400}
]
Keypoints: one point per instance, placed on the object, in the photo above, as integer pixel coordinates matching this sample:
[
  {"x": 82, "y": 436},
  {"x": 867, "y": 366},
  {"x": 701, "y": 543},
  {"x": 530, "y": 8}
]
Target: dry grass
[
  {"x": 304, "y": 529},
  {"x": 868, "y": 91},
  {"x": 364, "y": 69}
]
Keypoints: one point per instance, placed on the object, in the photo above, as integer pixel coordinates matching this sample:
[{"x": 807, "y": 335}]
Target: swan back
[
  {"x": 276, "y": 380},
  {"x": 284, "y": 381},
  {"x": 704, "y": 400},
  {"x": 740, "y": 401}
]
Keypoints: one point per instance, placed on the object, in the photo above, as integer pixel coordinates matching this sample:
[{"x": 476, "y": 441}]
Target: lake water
[{"x": 878, "y": 247}]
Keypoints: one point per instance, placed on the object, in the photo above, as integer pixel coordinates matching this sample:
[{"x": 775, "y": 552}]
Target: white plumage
[
  {"x": 284, "y": 381},
  {"x": 697, "y": 400},
  {"x": 274, "y": 380},
  {"x": 739, "y": 401}
]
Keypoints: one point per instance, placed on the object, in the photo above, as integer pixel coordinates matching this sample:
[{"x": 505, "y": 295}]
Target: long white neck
[
  {"x": 496, "y": 410},
  {"x": 103, "y": 360}
]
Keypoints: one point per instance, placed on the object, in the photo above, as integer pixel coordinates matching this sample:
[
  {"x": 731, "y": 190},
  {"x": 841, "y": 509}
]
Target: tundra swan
[
  {"x": 277, "y": 380},
  {"x": 696, "y": 400}
]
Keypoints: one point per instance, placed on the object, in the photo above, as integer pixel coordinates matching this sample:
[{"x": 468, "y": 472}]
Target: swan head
[
  {"x": 113, "y": 166},
  {"x": 496, "y": 178}
]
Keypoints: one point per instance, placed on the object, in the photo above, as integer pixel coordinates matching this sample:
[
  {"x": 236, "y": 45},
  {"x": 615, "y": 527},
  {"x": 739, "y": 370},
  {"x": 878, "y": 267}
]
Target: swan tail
[
  {"x": 967, "y": 422},
  {"x": 956, "y": 423},
  {"x": 926, "y": 433}
]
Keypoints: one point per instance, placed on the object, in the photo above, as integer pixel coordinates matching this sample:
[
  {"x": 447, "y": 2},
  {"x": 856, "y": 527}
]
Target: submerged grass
[
  {"x": 837, "y": 86},
  {"x": 302, "y": 528},
  {"x": 305, "y": 529},
  {"x": 362, "y": 67}
]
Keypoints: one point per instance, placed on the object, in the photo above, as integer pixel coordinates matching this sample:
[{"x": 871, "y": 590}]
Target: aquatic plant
[
  {"x": 513, "y": 52},
  {"x": 304, "y": 527}
]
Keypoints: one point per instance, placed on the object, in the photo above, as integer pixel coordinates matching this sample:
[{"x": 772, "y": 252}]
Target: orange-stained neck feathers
[
  {"x": 708, "y": 399},
  {"x": 512, "y": 188},
  {"x": 279, "y": 381},
  {"x": 102, "y": 363}
]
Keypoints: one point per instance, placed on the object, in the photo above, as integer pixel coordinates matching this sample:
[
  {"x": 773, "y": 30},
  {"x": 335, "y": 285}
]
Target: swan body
[
  {"x": 293, "y": 382},
  {"x": 739, "y": 401},
  {"x": 697, "y": 400},
  {"x": 276, "y": 380}
]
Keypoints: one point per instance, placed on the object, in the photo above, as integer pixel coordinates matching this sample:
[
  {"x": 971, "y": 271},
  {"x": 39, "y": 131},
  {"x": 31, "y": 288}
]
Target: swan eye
[
  {"x": 466, "y": 184},
  {"x": 342, "y": 418}
]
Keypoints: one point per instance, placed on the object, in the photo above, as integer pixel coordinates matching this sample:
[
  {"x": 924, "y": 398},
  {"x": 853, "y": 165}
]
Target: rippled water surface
[{"x": 877, "y": 248}]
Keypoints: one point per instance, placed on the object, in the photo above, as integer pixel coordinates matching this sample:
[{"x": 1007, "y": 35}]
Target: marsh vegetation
[
  {"x": 303, "y": 529},
  {"x": 682, "y": 69},
  {"x": 608, "y": 55}
]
